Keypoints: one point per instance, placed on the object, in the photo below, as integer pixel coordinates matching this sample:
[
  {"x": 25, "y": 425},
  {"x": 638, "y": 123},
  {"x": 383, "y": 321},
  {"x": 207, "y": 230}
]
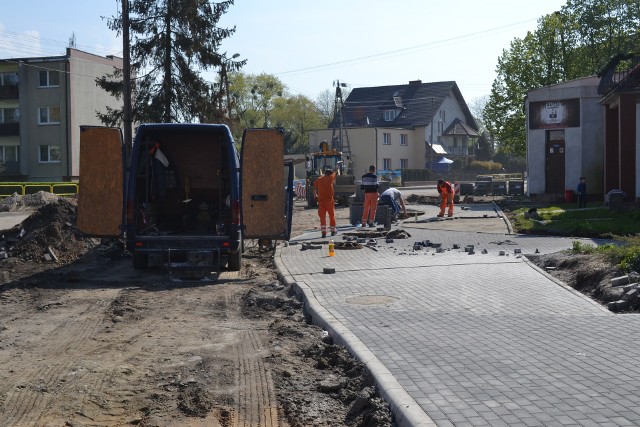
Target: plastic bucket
[{"x": 568, "y": 196}]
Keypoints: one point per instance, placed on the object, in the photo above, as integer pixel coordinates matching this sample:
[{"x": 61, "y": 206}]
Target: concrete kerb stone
[
  {"x": 406, "y": 411},
  {"x": 565, "y": 286},
  {"x": 503, "y": 216}
]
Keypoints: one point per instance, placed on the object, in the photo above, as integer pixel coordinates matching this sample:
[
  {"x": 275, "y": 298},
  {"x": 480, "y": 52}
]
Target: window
[
  {"x": 49, "y": 78},
  {"x": 386, "y": 138},
  {"x": 8, "y": 153},
  {"x": 404, "y": 139},
  {"x": 386, "y": 164},
  {"x": 48, "y": 115},
  {"x": 390, "y": 115},
  {"x": 8, "y": 79},
  {"x": 9, "y": 115},
  {"x": 49, "y": 153},
  {"x": 404, "y": 163}
]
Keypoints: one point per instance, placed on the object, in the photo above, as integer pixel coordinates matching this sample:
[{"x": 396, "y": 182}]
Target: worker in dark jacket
[
  {"x": 370, "y": 187},
  {"x": 582, "y": 192},
  {"x": 445, "y": 189}
]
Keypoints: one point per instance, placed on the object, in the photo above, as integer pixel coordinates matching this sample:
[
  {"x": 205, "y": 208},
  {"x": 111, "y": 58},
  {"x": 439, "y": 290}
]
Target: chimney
[{"x": 415, "y": 82}]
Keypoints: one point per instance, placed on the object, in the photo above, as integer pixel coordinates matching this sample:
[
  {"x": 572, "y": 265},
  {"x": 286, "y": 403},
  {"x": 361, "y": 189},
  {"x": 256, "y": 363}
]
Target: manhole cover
[{"x": 371, "y": 300}]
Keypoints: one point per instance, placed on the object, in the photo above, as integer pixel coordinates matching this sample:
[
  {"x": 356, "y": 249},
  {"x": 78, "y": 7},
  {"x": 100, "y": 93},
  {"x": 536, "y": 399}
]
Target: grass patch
[
  {"x": 625, "y": 256},
  {"x": 568, "y": 221}
]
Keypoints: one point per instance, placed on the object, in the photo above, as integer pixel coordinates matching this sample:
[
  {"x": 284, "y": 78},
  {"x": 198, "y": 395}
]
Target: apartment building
[{"x": 43, "y": 103}]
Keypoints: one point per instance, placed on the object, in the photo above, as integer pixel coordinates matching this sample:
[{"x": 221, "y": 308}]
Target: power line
[{"x": 401, "y": 51}]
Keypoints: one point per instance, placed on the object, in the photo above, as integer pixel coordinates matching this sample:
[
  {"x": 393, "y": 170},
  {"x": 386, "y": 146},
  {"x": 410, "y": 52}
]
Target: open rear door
[
  {"x": 101, "y": 192},
  {"x": 266, "y": 189}
]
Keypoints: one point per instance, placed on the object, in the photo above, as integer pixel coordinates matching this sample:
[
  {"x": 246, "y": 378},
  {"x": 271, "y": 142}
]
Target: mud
[{"x": 88, "y": 340}]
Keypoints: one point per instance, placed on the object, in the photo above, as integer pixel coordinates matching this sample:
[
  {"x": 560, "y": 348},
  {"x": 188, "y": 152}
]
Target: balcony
[
  {"x": 9, "y": 92},
  {"x": 10, "y": 129},
  {"x": 459, "y": 151}
]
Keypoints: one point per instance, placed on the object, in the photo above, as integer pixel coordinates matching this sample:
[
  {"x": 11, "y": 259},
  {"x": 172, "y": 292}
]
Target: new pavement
[{"x": 458, "y": 337}]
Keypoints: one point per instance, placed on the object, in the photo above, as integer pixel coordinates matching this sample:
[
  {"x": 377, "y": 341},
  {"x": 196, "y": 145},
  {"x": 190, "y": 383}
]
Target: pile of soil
[
  {"x": 588, "y": 273},
  {"x": 17, "y": 203},
  {"x": 50, "y": 229}
]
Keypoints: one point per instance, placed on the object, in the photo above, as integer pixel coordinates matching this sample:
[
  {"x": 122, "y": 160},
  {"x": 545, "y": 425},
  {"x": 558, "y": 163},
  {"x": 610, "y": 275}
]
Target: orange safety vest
[
  {"x": 445, "y": 189},
  {"x": 324, "y": 184}
]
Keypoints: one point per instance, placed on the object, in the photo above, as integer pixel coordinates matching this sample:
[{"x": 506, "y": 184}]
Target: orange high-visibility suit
[
  {"x": 446, "y": 197},
  {"x": 324, "y": 190}
]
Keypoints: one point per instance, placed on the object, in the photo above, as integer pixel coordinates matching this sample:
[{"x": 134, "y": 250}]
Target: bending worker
[
  {"x": 446, "y": 197},
  {"x": 392, "y": 197},
  {"x": 370, "y": 187},
  {"x": 323, "y": 193}
]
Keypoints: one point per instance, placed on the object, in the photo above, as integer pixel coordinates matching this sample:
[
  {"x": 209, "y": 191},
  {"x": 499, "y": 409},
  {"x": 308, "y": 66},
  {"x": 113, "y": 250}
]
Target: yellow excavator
[{"x": 317, "y": 163}]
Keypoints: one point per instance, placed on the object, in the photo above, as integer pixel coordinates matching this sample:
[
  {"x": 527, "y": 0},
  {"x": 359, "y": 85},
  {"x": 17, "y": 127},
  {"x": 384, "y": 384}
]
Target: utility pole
[
  {"x": 126, "y": 78},
  {"x": 433, "y": 113}
]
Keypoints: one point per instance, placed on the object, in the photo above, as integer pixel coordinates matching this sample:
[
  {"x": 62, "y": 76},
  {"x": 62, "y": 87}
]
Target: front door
[
  {"x": 101, "y": 190},
  {"x": 266, "y": 190},
  {"x": 555, "y": 162}
]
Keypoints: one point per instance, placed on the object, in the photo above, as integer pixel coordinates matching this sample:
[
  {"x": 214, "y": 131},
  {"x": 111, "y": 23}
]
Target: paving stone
[{"x": 471, "y": 337}]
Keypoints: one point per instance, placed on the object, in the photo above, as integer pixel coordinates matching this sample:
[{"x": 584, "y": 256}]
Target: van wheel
[
  {"x": 234, "y": 262},
  {"x": 140, "y": 261}
]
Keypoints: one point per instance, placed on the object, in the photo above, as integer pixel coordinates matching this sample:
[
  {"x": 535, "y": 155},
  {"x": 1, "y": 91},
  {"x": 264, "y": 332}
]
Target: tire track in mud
[
  {"x": 255, "y": 403},
  {"x": 52, "y": 357}
]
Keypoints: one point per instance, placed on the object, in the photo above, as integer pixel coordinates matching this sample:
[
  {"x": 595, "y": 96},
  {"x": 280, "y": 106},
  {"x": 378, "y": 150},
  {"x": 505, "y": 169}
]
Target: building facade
[
  {"x": 620, "y": 91},
  {"x": 408, "y": 126},
  {"x": 565, "y": 138},
  {"x": 43, "y": 103}
]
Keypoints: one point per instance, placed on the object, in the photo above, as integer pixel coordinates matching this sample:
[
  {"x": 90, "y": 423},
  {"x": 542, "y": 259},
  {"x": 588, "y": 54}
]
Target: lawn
[{"x": 568, "y": 220}]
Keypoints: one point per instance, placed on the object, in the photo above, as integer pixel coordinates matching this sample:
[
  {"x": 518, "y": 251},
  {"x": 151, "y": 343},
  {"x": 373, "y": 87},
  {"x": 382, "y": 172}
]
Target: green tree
[
  {"x": 297, "y": 115},
  {"x": 253, "y": 98},
  {"x": 576, "y": 41},
  {"x": 172, "y": 42}
]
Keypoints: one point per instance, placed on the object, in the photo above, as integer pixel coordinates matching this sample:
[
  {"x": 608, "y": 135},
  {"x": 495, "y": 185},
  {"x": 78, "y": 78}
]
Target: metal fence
[{"x": 23, "y": 188}]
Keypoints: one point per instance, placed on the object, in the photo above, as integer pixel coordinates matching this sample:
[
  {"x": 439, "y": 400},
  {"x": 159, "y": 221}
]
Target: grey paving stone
[{"x": 481, "y": 337}]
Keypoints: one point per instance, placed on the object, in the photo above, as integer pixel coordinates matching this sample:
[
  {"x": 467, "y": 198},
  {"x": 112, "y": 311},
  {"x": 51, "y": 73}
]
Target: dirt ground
[{"x": 88, "y": 341}]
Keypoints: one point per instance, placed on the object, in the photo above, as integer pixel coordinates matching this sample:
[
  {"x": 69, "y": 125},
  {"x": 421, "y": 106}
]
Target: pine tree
[{"x": 172, "y": 43}]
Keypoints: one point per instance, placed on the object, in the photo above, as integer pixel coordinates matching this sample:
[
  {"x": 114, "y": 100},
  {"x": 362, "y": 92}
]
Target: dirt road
[{"x": 94, "y": 342}]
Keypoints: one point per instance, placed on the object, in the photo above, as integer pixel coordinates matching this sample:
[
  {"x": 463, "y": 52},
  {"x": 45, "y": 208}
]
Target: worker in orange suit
[
  {"x": 323, "y": 193},
  {"x": 445, "y": 189},
  {"x": 370, "y": 187}
]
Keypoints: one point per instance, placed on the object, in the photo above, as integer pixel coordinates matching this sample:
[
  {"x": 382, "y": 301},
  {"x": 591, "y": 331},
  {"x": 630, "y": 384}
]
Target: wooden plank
[
  {"x": 263, "y": 192},
  {"x": 101, "y": 181}
]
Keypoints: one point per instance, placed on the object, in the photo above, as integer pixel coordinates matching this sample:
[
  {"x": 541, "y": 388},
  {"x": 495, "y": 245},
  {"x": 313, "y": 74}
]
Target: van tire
[
  {"x": 234, "y": 261},
  {"x": 140, "y": 261}
]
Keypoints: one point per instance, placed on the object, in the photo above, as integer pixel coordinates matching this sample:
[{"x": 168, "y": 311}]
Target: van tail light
[{"x": 235, "y": 212}]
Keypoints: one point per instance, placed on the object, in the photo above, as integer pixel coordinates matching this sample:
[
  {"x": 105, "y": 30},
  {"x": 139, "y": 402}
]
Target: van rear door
[
  {"x": 101, "y": 187},
  {"x": 266, "y": 186}
]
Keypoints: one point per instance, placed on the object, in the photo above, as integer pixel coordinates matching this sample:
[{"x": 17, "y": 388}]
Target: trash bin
[{"x": 568, "y": 196}]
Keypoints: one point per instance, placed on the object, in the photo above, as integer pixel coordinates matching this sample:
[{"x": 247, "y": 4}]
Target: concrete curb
[
  {"x": 565, "y": 286},
  {"x": 504, "y": 217},
  {"x": 406, "y": 411}
]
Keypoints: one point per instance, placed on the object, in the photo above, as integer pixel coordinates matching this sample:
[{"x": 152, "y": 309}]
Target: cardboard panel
[
  {"x": 263, "y": 184},
  {"x": 100, "y": 195}
]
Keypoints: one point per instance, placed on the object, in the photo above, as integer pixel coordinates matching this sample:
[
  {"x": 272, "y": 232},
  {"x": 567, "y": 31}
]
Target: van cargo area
[
  {"x": 182, "y": 198},
  {"x": 182, "y": 185}
]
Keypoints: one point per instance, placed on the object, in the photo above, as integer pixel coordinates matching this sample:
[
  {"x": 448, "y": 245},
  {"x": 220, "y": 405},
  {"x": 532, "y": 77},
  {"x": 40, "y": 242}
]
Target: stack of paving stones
[{"x": 630, "y": 292}]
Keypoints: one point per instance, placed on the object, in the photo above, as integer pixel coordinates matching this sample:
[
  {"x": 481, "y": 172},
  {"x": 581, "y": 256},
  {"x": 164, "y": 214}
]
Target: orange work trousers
[
  {"x": 446, "y": 199},
  {"x": 325, "y": 208},
  {"x": 370, "y": 207}
]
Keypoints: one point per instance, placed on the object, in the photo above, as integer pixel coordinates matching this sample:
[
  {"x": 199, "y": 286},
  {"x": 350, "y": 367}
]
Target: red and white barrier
[{"x": 300, "y": 191}]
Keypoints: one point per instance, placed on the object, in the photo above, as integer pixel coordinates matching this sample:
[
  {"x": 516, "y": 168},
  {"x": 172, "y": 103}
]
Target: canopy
[{"x": 444, "y": 161}]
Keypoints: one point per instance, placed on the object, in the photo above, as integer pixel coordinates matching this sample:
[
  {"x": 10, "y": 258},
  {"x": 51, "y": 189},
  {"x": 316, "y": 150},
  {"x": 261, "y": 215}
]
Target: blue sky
[{"x": 309, "y": 44}]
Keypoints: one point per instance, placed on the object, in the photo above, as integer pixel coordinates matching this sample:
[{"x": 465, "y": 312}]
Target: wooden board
[
  {"x": 101, "y": 181},
  {"x": 263, "y": 184}
]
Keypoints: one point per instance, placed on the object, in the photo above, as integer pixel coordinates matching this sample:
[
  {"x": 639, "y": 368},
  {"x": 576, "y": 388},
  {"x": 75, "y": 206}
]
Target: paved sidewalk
[{"x": 482, "y": 339}]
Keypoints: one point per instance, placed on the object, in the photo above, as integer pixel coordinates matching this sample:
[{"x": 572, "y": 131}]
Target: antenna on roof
[{"x": 72, "y": 40}]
